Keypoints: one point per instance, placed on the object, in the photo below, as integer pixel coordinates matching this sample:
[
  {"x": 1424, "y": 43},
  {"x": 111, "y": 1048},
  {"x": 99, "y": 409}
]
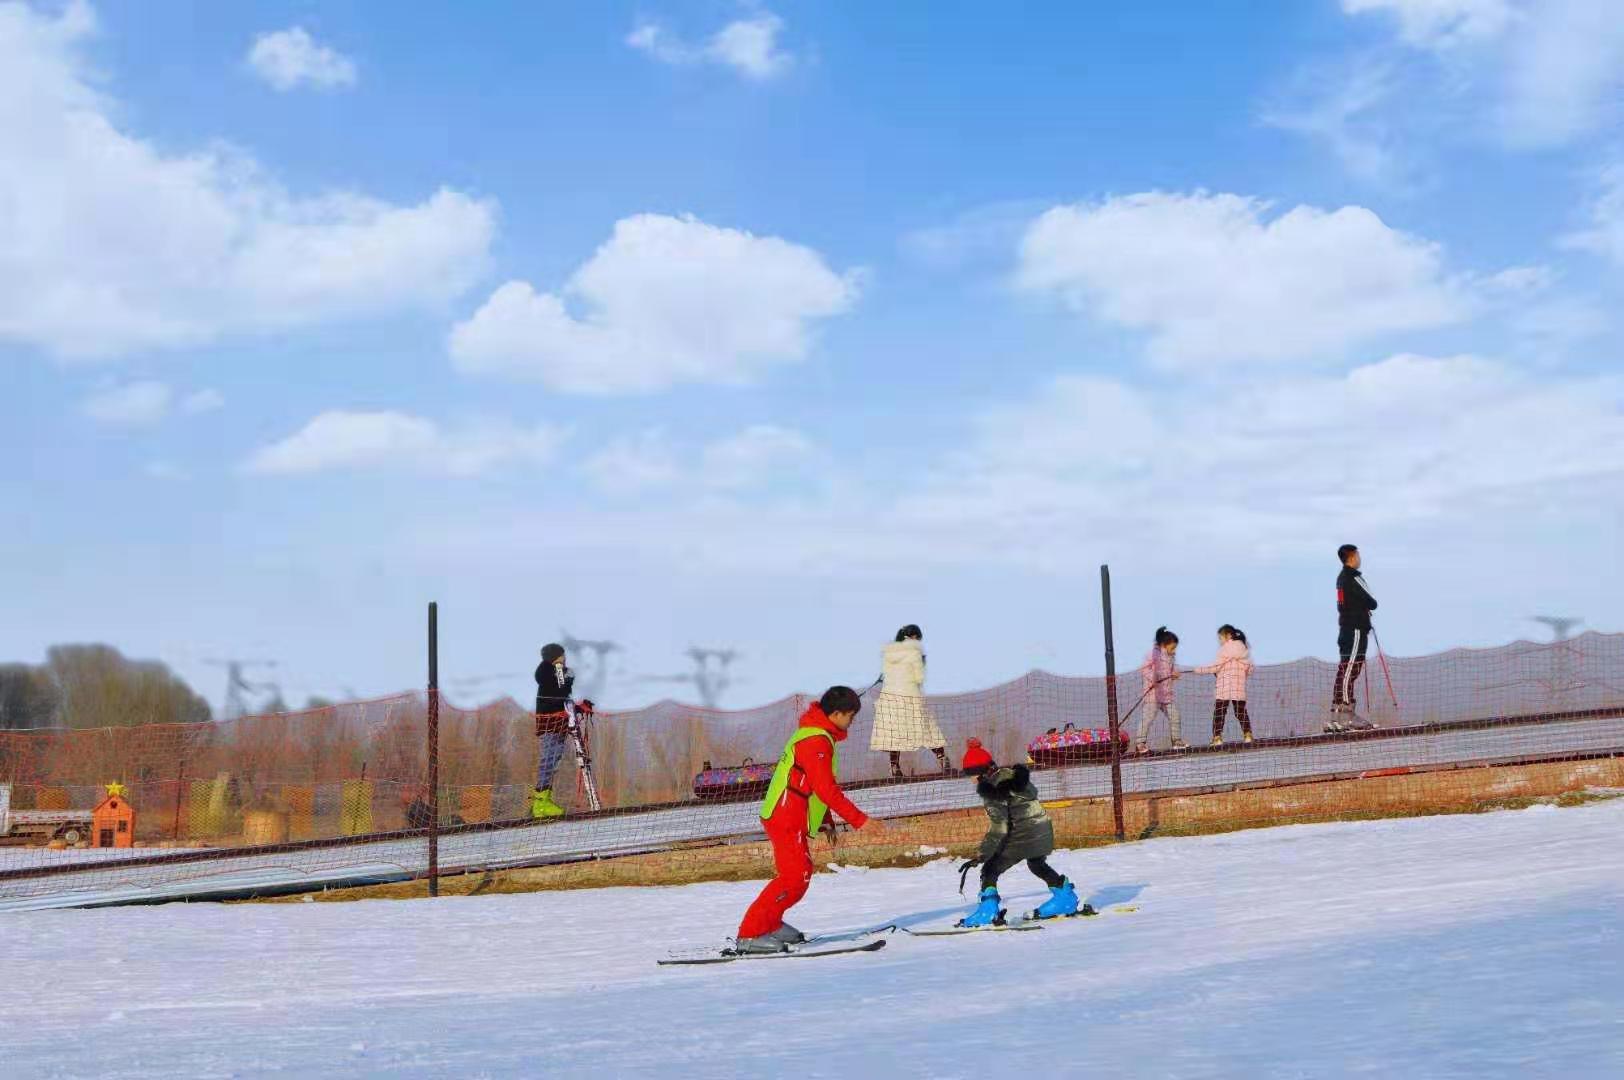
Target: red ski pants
[{"x": 793, "y": 858}]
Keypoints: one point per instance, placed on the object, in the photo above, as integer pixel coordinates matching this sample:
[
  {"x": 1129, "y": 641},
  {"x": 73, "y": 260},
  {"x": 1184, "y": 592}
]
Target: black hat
[{"x": 552, "y": 653}]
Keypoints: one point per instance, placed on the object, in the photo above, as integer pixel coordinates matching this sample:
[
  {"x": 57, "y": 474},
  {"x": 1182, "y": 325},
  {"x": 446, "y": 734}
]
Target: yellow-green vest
[{"x": 816, "y": 809}]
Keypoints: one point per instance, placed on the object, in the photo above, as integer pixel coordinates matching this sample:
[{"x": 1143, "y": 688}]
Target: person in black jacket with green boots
[
  {"x": 554, "y": 684},
  {"x": 1019, "y": 829}
]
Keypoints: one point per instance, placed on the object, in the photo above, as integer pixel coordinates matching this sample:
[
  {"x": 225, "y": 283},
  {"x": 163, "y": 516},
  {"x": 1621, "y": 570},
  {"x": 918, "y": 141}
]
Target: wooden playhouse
[{"x": 112, "y": 822}]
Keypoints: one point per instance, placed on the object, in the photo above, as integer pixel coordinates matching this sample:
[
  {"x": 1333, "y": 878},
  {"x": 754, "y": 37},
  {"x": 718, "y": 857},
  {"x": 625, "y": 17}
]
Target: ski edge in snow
[
  {"x": 956, "y": 931},
  {"x": 1028, "y": 922},
  {"x": 817, "y": 940},
  {"x": 1088, "y": 912},
  {"x": 729, "y": 957}
]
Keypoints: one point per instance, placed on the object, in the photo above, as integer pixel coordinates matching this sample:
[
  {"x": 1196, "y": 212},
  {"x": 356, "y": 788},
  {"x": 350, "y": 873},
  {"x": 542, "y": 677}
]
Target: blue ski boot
[
  {"x": 1062, "y": 901},
  {"x": 987, "y": 913}
]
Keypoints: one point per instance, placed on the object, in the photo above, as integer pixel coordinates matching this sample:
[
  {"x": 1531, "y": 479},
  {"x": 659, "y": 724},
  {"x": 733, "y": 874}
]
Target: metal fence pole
[
  {"x": 434, "y": 749},
  {"x": 1111, "y": 704},
  {"x": 180, "y": 790}
]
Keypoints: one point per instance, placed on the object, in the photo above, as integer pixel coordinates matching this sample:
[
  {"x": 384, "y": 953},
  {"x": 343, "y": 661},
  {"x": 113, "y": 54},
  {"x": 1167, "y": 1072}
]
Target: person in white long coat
[{"x": 902, "y": 720}]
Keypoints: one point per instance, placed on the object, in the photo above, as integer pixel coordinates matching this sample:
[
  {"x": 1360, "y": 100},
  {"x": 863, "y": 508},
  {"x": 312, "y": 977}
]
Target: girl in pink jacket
[
  {"x": 1160, "y": 670},
  {"x": 1233, "y": 665}
]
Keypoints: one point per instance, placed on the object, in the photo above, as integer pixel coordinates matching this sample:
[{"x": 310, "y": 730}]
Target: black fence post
[
  {"x": 1111, "y": 704},
  {"x": 434, "y": 749},
  {"x": 180, "y": 790}
]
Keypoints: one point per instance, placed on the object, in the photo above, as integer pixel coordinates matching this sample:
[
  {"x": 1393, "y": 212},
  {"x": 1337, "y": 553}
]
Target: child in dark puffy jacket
[{"x": 1019, "y": 829}]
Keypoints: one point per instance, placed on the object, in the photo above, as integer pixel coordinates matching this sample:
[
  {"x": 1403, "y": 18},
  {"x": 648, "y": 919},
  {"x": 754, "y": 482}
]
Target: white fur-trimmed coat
[{"x": 902, "y": 720}]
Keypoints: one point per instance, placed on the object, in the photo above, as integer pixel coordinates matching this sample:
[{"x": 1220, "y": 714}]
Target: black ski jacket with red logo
[{"x": 1353, "y": 600}]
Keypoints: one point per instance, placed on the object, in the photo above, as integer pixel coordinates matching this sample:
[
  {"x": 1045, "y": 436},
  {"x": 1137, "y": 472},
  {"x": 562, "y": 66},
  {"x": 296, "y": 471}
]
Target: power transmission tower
[
  {"x": 238, "y": 687},
  {"x": 590, "y": 681},
  {"x": 1561, "y": 626},
  {"x": 710, "y": 680},
  {"x": 1563, "y": 681}
]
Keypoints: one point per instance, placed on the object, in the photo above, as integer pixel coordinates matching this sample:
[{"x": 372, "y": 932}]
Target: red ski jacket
[{"x": 814, "y": 774}]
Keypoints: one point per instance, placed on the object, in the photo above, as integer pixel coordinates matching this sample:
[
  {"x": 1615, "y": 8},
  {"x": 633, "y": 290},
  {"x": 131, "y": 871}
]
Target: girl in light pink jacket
[
  {"x": 1233, "y": 665},
  {"x": 1160, "y": 670}
]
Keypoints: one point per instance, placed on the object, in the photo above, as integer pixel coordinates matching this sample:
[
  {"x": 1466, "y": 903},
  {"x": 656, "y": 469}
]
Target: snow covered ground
[{"x": 1488, "y": 945}]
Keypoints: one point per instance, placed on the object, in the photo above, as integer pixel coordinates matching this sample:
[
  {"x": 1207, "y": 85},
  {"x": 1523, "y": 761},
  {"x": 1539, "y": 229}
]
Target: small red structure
[{"x": 112, "y": 823}]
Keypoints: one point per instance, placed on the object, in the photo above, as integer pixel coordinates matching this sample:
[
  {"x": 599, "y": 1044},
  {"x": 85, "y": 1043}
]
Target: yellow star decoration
[{"x": 115, "y": 788}]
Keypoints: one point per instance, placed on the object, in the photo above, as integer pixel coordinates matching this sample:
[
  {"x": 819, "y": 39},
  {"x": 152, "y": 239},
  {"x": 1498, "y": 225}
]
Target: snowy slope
[{"x": 1488, "y": 945}]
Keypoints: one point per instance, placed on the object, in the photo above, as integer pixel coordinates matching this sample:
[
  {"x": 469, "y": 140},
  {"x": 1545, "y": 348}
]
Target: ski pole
[
  {"x": 1141, "y": 701},
  {"x": 1146, "y": 694},
  {"x": 1386, "y": 674}
]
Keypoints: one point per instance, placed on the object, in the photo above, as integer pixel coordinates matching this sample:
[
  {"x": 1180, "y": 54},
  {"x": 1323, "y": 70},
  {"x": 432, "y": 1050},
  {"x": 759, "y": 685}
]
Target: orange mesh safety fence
[{"x": 339, "y": 794}]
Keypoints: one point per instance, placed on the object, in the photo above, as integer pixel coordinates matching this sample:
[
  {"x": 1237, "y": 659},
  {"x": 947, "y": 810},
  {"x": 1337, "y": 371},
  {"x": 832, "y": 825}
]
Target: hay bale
[{"x": 261, "y": 827}]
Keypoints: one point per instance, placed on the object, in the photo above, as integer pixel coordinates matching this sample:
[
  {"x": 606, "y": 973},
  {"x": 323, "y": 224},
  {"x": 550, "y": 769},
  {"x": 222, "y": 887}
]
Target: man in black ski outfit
[{"x": 1354, "y": 603}]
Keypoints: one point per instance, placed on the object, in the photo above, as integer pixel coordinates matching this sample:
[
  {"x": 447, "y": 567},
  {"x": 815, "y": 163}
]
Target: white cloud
[
  {"x": 164, "y": 470},
  {"x": 344, "y": 440},
  {"x": 1236, "y": 475},
  {"x": 1550, "y": 71},
  {"x": 202, "y": 401},
  {"x": 748, "y": 46},
  {"x": 1345, "y": 109},
  {"x": 1440, "y": 23},
  {"x": 136, "y": 404},
  {"x": 1521, "y": 279},
  {"x": 665, "y": 301},
  {"x": 1565, "y": 72},
  {"x": 291, "y": 58},
  {"x": 758, "y": 457},
  {"x": 145, "y": 403},
  {"x": 1604, "y": 233},
  {"x": 632, "y": 465},
  {"x": 114, "y": 246},
  {"x": 1284, "y": 466},
  {"x": 976, "y": 236},
  {"x": 1556, "y": 326},
  {"x": 753, "y": 456},
  {"x": 1216, "y": 278}
]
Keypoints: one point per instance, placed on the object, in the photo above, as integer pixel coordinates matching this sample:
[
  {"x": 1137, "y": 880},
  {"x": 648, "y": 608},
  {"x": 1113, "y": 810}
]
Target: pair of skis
[
  {"x": 830, "y": 944},
  {"x": 1030, "y": 921},
  {"x": 728, "y": 956},
  {"x": 1345, "y": 720}
]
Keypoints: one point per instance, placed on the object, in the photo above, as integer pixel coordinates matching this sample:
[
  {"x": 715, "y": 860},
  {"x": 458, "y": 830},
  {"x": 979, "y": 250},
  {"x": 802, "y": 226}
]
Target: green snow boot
[{"x": 542, "y": 805}]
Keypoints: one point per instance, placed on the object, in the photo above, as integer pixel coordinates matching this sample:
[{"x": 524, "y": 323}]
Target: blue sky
[{"x": 776, "y": 326}]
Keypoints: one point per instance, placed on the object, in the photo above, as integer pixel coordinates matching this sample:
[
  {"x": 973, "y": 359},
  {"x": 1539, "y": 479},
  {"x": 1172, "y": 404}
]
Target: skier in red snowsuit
[{"x": 803, "y": 789}]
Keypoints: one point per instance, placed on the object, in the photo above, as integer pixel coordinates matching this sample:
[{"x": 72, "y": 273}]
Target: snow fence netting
[{"x": 339, "y": 795}]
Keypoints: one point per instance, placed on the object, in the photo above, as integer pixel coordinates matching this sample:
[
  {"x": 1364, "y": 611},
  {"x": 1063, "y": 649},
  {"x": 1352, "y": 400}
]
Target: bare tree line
[{"x": 95, "y": 686}]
